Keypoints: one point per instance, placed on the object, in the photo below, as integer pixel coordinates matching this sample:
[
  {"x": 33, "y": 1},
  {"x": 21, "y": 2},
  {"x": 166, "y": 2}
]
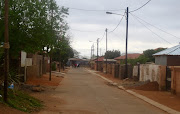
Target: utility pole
[
  {"x": 127, "y": 12},
  {"x": 106, "y": 49},
  {"x": 97, "y": 53},
  {"x": 91, "y": 51},
  {"x": 51, "y": 47},
  {"x": 6, "y": 49}
]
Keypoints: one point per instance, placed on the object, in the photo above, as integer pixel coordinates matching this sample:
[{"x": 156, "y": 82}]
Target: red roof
[
  {"x": 129, "y": 56},
  {"x": 100, "y": 59}
]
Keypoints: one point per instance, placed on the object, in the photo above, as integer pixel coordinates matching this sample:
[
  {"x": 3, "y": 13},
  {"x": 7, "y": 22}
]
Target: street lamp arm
[{"x": 114, "y": 13}]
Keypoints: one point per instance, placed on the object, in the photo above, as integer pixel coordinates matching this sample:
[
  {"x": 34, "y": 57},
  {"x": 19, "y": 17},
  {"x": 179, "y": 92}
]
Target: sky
[{"x": 155, "y": 25}]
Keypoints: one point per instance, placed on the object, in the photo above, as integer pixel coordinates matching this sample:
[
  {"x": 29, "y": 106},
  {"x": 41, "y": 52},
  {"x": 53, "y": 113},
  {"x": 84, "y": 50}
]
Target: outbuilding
[{"x": 168, "y": 57}]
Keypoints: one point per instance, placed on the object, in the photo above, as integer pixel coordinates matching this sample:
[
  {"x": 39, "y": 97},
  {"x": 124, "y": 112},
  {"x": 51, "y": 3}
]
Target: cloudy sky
[{"x": 88, "y": 20}]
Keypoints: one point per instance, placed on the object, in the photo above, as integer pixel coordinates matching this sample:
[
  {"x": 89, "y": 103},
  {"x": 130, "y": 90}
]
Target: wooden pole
[{"x": 6, "y": 49}]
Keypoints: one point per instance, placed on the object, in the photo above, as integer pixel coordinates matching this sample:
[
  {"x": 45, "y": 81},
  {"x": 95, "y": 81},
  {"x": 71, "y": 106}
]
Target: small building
[
  {"x": 168, "y": 57},
  {"x": 73, "y": 61},
  {"x": 109, "y": 61},
  {"x": 121, "y": 59},
  {"x": 99, "y": 61}
]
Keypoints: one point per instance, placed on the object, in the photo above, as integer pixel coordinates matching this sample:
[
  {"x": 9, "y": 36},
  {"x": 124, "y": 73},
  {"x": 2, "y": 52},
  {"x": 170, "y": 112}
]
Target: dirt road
[{"x": 84, "y": 93}]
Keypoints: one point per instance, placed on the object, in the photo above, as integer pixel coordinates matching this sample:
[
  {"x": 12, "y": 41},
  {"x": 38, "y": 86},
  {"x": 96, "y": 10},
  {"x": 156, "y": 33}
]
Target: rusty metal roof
[
  {"x": 129, "y": 56},
  {"x": 170, "y": 51}
]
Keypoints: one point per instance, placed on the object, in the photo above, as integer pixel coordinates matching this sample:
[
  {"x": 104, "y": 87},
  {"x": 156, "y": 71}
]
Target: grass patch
[{"x": 22, "y": 101}]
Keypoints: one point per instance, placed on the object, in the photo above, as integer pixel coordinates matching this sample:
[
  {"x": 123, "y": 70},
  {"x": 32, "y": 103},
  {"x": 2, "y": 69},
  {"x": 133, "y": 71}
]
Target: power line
[
  {"x": 151, "y": 30},
  {"x": 141, "y": 6},
  {"x": 94, "y": 10},
  {"x": 155, "y": 26},
  {"x": 117, "y": 24},
  {"x": 84, "y": 31},
  {"x": 102, "y": 37}
]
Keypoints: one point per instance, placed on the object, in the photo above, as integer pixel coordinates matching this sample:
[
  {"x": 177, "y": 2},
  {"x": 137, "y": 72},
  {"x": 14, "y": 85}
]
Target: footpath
[{"x": 162, "y": 100}]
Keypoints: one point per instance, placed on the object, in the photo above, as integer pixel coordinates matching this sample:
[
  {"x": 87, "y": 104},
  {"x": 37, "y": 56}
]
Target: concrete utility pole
[
  {"x": 97, "y": 53},
  {"x": 6, "y": 49},
  {"x": 106, "y": 49},
  {"x": 126, "y": 70}
]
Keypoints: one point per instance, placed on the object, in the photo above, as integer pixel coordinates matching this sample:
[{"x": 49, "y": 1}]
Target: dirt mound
[{"x": 151, "y": 86}]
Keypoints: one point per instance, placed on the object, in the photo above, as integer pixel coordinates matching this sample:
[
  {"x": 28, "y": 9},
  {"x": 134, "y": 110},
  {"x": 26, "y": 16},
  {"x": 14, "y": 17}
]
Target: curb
[{"x": 154, "y": 103}]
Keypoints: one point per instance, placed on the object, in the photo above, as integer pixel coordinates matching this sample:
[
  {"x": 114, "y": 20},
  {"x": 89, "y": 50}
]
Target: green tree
[
  {"x": 33, "y": 24},
  {"x": 149, "y": 54},
  {"x": 112, "y": 54}
]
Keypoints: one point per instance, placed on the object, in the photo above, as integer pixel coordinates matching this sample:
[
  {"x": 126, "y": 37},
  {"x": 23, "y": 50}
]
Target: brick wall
[
  {"x": 175, "y": 80},
  {"x": 153, "y": 73},
  {"x": 36, "y": 70}
]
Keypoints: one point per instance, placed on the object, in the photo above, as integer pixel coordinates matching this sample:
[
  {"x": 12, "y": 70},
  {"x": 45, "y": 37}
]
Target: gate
[{"x": 168, "y": 78}]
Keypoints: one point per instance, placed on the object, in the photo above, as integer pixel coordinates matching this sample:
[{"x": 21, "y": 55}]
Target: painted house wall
[
  {"x": 161, "y": 60},
  {"x": 153, "y": 73},
  {"x": 175, "y": 80},
  {"x": 173, "y": 61}
]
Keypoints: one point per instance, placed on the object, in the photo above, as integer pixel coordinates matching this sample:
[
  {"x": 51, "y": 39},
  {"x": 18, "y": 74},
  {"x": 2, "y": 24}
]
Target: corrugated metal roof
[{"x": 170, "y": 51}]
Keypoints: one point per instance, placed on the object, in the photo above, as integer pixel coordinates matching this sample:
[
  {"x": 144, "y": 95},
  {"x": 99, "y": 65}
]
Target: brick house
[{"x": 121, "y": 59}]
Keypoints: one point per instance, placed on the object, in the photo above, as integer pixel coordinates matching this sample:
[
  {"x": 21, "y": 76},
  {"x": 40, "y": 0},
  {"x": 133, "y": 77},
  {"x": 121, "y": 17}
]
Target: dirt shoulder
[
  {"x": 46, "y": 96},
  {"x": 149, "y": 90}
]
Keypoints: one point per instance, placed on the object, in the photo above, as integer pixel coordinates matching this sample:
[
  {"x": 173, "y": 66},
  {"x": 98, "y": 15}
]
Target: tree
[
  {"x": 149, "y": 54},
  {"x": 63, "y": 51},
  {"x": 112, "y": 54},
  {"x": 34, "y": 24}
]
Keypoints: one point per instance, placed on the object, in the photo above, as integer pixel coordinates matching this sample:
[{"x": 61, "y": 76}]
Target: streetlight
[
  {"x": 113, "y": 13},
  {"x": 127, "y": 12}
]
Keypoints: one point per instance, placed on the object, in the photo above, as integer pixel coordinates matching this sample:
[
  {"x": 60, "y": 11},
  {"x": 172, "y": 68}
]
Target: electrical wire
[
  {"x": 84, "y": 31},
  {"x": 94, "y": 10},
  {"x": 155, "y": 26},
  {"x": 151, "y": 30},
  {"x": 102, "y": 37},
  {"x": 117, "y": 24},
  {"x": 141, "y": 6}
]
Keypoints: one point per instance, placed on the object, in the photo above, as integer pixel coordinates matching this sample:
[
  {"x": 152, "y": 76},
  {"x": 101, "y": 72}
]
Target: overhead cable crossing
[
  {"x": 85, "y": 31},
  {"x": 102, "y": 37},
  {"x": 155, "y": 26},
  {"x": 117, "y": 24},
  {"x": 94, "y": 10},
  {"x": 150, "y": 30},
  {"x": 141, "y": 6}
]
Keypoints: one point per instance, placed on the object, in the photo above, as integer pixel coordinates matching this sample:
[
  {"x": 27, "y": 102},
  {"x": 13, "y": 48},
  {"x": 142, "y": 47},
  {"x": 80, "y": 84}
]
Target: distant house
[
  {"x": 121, "y": 59},
  {"x": 100, "y": 59},
  {"x": 109, "y": 61},
  {"x": 168, "y": 57},
  {"x": 73, "y": 61}
]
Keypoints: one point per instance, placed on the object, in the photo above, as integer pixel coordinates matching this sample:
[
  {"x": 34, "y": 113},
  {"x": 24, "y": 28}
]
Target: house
[
  {"x": 82, "y": 62},
  {"x": 99, "y": 61},
  {"x": 34, "y": 65},
  {"x": 121, "y": 59},
  {"x": 109, "y": 61},
  {"x": 168, "y": 57},
  {"x": 73, "y": 61}
]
